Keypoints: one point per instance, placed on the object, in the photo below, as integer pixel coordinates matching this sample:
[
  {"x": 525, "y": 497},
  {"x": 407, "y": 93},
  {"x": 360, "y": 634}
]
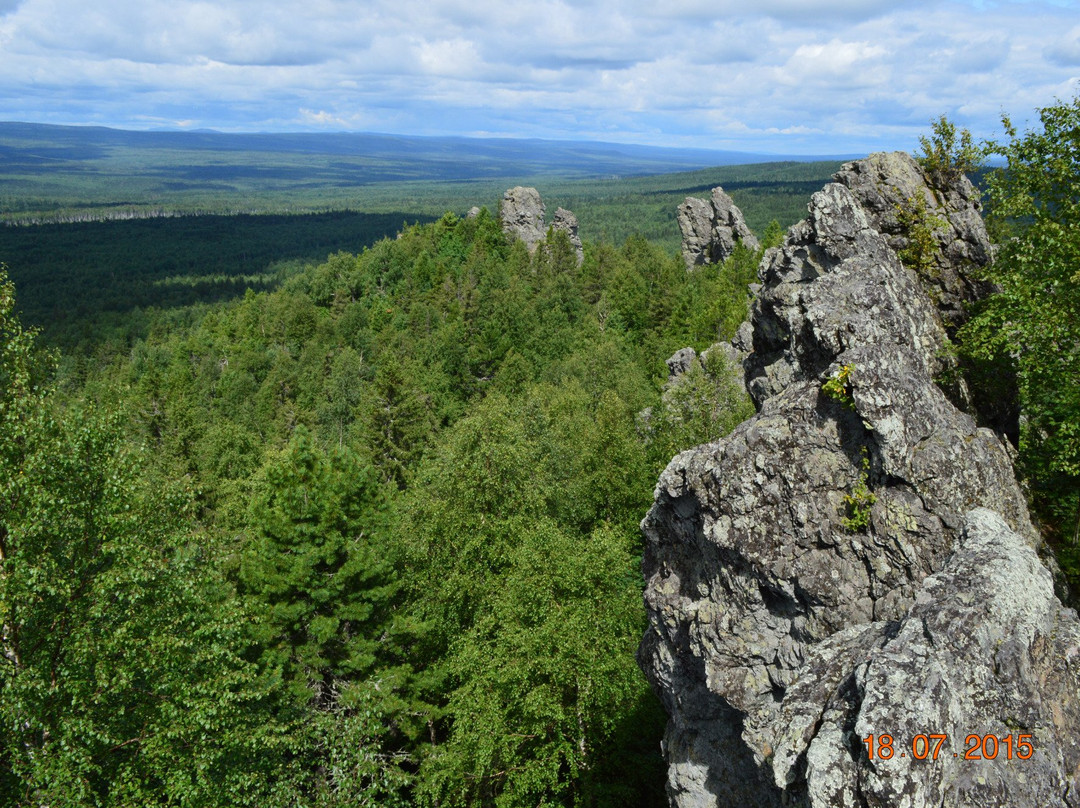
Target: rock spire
[
  {"x": 522, "y": 215},
  {"x": 710, "y": 229}
]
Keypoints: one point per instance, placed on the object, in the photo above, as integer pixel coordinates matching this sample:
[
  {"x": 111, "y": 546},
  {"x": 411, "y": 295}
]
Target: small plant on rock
[
  {"x": 919, "y": 226},
  {"x": 839, "y": 387},
  {"x": 948, "y": 153},
  {"x": 859, "y": 502}
]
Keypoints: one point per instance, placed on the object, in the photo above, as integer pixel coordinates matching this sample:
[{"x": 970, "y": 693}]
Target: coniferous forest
[
  {"x": 368, "y": 538},
  {"x": 366, "y": 533}
]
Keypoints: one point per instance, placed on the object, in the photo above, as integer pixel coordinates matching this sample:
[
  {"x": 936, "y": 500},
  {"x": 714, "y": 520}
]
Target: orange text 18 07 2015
[{"x": 933, "y": 745}]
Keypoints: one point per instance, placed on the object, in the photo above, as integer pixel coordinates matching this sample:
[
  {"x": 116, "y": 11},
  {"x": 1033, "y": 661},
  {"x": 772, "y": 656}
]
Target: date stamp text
[{"x": 931, "y": 746}]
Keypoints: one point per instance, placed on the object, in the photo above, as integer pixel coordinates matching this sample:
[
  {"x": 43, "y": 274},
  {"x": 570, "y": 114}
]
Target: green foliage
[
  {"x": 859, "y": 502},
  {"x": 121, "y": 681},
  {"x": 342, "y": 760},
  {"x": 838, "y": 386},
  {"x": 408, "y": 543},
  {"x": 96, "y": 287},
  {"x": 702, "y": 406},
  {"x": 523, "y": 519},
  {"x": 316, "y": 566},
  {"x": 945, "y": 156},
  {"x": 1033, "y": 324},
  {"x": 397, "y": 420},
  {"x": 773, "y": 235},
  {"x": 919, "y": 228},
  {"x": 561, "y": 629},
  {"x": 319, "y": 572}
]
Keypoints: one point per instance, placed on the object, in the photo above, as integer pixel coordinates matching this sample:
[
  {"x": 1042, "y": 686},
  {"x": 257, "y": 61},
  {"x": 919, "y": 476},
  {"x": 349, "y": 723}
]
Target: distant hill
[
  {"x": 79, "y": 173},
  {"x": 371, "y": 157}
]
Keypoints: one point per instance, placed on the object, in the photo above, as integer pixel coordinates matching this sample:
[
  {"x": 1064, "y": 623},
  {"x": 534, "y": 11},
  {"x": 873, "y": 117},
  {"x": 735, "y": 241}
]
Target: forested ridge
[{"x": 370, "y": 537}]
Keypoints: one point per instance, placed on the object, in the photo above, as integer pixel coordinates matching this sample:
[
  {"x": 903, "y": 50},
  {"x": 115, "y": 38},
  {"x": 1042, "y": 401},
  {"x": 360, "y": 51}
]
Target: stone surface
[
  {"x": 680, "y": 362},
  {"x": 889, "y": 184},
  {"x": 711, "y": 229},
  {"x": 833, "y": 285},
  {"x": 522, "y": 215},
  {"x": 567, "y": 222},
  {"x": 857, "y": 564},
  {"x": 891, "y": 187}
]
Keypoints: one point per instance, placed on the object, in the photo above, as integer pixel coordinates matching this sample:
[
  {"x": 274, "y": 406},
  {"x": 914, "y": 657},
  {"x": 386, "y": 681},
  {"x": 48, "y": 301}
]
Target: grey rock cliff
[
  {"x": 711, "y": 229},
  {"x": 892, "y": 188},
  {"x": 857, "y": 565}
]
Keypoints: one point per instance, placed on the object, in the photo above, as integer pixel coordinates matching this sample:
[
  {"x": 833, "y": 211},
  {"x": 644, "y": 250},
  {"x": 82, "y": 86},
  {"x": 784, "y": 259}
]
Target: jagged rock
[
  {"x": 890, "y": 187},
  {"x": 695, "y": 218},
  {"x": 473, "y": 212},
  {"x": 567, "y": 222},
  {"x": 680, "y": 362},
  {"x": 730, "y": 221},
  {"x": 743, "y": 341},
  {"x": 864, "y": 564},
  {"x": 835, "y": 283},
  {"x": 522, "y": 215},
  {"x": 892, "y": 190},
  {"x": 986, "y": 649},
  {"x": 711, "y": 229}
]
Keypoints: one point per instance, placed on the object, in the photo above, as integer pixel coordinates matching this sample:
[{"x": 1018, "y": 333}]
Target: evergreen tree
[
  {"x": 317, "y": 566},
  {"x": 321, "y": 580}
]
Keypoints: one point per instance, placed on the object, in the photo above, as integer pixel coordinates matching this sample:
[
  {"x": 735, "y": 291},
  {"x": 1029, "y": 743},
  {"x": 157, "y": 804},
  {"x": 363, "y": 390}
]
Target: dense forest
[
  {"x": 96, "y": 287},
  {"x": 368, "y": 534},
  {"x": 86, "y": 173},
  {"x": 368, "y": 537}
]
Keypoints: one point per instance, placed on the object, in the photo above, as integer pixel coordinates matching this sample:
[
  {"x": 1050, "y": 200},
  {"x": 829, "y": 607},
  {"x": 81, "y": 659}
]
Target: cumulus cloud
[
  {"x": 785, "y": 75},
  {"x": 1065, "y": 50}
]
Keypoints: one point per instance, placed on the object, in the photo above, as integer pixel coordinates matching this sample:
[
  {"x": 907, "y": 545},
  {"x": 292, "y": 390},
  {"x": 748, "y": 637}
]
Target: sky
[{"x": 766, "y": 76}]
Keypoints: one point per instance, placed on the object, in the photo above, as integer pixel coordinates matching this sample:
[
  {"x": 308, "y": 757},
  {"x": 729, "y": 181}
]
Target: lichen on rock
[{"x": 779, "y": 637}]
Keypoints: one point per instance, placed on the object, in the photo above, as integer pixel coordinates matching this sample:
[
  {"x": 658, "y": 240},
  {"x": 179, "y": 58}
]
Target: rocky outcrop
[
  {"x": 935, "y": 225},
  {"x": 895, "y": 192},
  {"x": 522, "y": 215},
  {"x": 711, "y": 229},
  {"x": 855, "y": 560},
  {"x": 567, "y": 222},
  {"x": 680, "y": 362}
]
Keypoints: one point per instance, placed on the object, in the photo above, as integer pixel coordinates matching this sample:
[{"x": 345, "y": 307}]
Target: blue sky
[{"x": 774, "y": 76}]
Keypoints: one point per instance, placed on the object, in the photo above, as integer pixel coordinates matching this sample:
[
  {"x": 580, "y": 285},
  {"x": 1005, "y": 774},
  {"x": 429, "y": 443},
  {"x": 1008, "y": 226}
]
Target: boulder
[
  {"x": 854, "y": 560},
  {"x": 680, "y": 362}
]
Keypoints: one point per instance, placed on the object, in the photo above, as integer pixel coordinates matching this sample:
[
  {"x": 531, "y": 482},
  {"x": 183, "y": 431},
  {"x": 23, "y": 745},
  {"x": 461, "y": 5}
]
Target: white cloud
[
  {"x": 1066, "y": 49},
  {"x": 819, "y": 75},
  {"x": 836, "y": 64}
]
